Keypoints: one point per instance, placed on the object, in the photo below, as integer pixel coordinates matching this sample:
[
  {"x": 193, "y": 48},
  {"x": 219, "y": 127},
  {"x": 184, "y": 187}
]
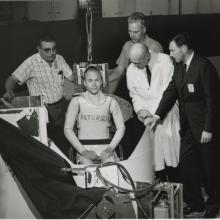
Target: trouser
[
  {"x": 56, "y": 112},
  {"x": 197, "y": 164},
  {"x": 56, "y": 134},
  {"x": 169, "y": 174}
]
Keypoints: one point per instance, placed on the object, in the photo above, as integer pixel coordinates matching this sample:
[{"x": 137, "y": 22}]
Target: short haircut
[
  {"x": 183, "y": 39},
  {"x": 46, "y": 38},
  {"x": 92, "y": 68},
  {"x": 137, "y": 16}
]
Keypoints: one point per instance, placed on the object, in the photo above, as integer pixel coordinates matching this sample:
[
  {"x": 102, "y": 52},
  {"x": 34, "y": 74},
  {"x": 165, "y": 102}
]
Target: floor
[{"x": 197, "y": 216}]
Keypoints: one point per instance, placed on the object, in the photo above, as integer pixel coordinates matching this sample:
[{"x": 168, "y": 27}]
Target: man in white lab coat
[{"x": 148, "y": 75}]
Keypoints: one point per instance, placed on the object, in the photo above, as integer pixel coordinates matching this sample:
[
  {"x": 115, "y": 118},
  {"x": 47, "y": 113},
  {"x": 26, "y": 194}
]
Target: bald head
[{"x": 139, "y": 55}]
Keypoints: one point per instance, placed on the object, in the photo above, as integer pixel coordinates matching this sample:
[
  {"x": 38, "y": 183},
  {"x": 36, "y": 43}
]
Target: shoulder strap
[
  {"x": 78, "y": 103},
  {"x": 109, "y": 99}
]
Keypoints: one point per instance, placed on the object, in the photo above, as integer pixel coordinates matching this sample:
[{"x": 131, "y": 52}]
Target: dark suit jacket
[{"x": 198, "y": 93}]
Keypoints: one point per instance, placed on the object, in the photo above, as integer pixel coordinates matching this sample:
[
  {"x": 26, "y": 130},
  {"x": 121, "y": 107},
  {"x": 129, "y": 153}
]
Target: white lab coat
[{"x": 166, "y": 138}]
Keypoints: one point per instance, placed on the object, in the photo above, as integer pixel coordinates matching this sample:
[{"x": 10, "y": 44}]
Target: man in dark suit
[{"x": 196, "y": 86}]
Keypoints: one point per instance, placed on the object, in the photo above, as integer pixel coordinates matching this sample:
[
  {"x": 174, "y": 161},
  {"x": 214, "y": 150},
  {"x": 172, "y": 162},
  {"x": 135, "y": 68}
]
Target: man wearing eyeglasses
[{"x": 44, "y": 74}]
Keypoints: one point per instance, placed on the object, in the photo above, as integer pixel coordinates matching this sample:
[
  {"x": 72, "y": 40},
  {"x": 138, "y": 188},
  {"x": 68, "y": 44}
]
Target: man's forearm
[
  {"x": 9, "y": 87},
  {"x": 73, "y": 78},
  {"x": 10, "y": 83},
  {"x": 72, "y": 138},
  {"x": 115, "y": 74},
  {"x": 117, "y": 137},
  {"x": 114, "y": 78}
]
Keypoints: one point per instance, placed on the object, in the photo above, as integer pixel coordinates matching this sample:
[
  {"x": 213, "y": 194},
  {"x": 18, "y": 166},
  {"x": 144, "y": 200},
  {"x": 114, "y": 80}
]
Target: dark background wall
[{"x": 18, "y": 40}]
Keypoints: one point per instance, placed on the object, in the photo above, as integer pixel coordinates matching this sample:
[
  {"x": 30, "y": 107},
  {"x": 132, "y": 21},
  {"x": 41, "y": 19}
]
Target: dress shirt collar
[
  {"x": 40, "y": 59},
  {"x": 189, "y": 60}
]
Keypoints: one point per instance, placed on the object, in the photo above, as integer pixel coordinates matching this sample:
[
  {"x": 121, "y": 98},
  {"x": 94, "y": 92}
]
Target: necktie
[
  {"x": 184, "y": 68},
  {"x": 184, "y": 71},
  {"x": 148, "y": 74}
]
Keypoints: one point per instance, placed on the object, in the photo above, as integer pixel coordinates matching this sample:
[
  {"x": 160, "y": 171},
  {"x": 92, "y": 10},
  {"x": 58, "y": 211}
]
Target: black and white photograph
[{"x": 109, "y": 109}]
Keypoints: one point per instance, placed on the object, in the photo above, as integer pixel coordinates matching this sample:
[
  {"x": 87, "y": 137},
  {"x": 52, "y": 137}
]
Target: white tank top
[{"x": 93, "y": 120}]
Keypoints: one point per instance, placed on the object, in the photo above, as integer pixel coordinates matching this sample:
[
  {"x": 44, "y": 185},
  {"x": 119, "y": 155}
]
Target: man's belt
[
  {"x": 55, "y": 103},
  {"x": 95, "y": 141}
]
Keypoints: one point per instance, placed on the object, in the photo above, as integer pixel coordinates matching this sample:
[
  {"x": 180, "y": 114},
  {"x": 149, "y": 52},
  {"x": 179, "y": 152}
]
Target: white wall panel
[
  {"x": 216, "y": 6},
  {"x": 126, "y": 7},
  {"x": 110, "y": 8},
  {"x": 144, "y": 6},
  {"x": 173, "y": 7},
  {"x": 200, "y": 6},
  {"x": 121, "y": 8},
  {"x": 157, "y": 7},
  {"x": 118, "y": 8},
  {"x": 190, "y": 6},
  {"x": 49, "y": 10},
  {"x": 160, "y": 7},
  {"x": 52, "y": 10}
]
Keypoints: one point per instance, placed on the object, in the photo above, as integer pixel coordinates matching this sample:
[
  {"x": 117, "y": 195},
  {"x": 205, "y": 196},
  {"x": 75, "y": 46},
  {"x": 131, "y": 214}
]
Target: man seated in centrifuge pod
[{"x": 92, "y": 111}]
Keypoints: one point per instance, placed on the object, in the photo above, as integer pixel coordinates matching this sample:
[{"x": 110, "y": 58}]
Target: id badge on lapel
[{"x": 191, "y": 88}]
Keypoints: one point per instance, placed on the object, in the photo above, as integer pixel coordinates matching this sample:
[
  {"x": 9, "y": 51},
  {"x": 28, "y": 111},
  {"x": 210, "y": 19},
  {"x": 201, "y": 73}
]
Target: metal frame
[{"x": 175, "y": 198}]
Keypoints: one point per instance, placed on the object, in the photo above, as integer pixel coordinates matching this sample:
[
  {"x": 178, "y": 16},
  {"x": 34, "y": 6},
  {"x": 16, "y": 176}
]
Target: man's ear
[
  {"x": 84, "y": 84},
  {"x": 38, "y": 48},
  {"x": 145, "y": 29},
  {"x": 184, "y": 48}
]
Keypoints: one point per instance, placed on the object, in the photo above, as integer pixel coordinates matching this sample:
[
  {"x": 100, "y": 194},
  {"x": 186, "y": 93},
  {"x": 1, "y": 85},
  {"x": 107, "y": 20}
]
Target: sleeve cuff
[{"x": 157, "y": 116}]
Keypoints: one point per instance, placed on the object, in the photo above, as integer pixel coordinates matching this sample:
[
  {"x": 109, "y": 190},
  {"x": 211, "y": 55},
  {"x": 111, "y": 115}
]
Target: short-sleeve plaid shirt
[{"x": 43, "y": 79}]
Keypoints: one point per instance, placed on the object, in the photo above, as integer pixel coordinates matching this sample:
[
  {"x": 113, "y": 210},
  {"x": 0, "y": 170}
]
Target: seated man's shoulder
[
  {"x": 77, "y": 97},
  {"x": 110, "y": 98}
]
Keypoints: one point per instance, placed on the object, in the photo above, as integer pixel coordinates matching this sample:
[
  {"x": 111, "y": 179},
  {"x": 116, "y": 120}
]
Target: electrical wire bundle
[
  {"x": 89, "y": 32},
  {"x": 125, "y": 174}
]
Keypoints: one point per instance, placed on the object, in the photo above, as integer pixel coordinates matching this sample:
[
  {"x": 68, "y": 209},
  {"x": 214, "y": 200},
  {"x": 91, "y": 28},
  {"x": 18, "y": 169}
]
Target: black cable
[
  {"x": 144, "y": 190},
  {"x": 86, "y": 212},
  {"x": 126, "y": 174},
  {"x": 123, "y": 169}
]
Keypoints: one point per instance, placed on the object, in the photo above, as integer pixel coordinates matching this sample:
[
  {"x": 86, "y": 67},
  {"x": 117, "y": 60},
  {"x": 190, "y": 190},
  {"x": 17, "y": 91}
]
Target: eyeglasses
[{"x": 48, "y": 50}]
